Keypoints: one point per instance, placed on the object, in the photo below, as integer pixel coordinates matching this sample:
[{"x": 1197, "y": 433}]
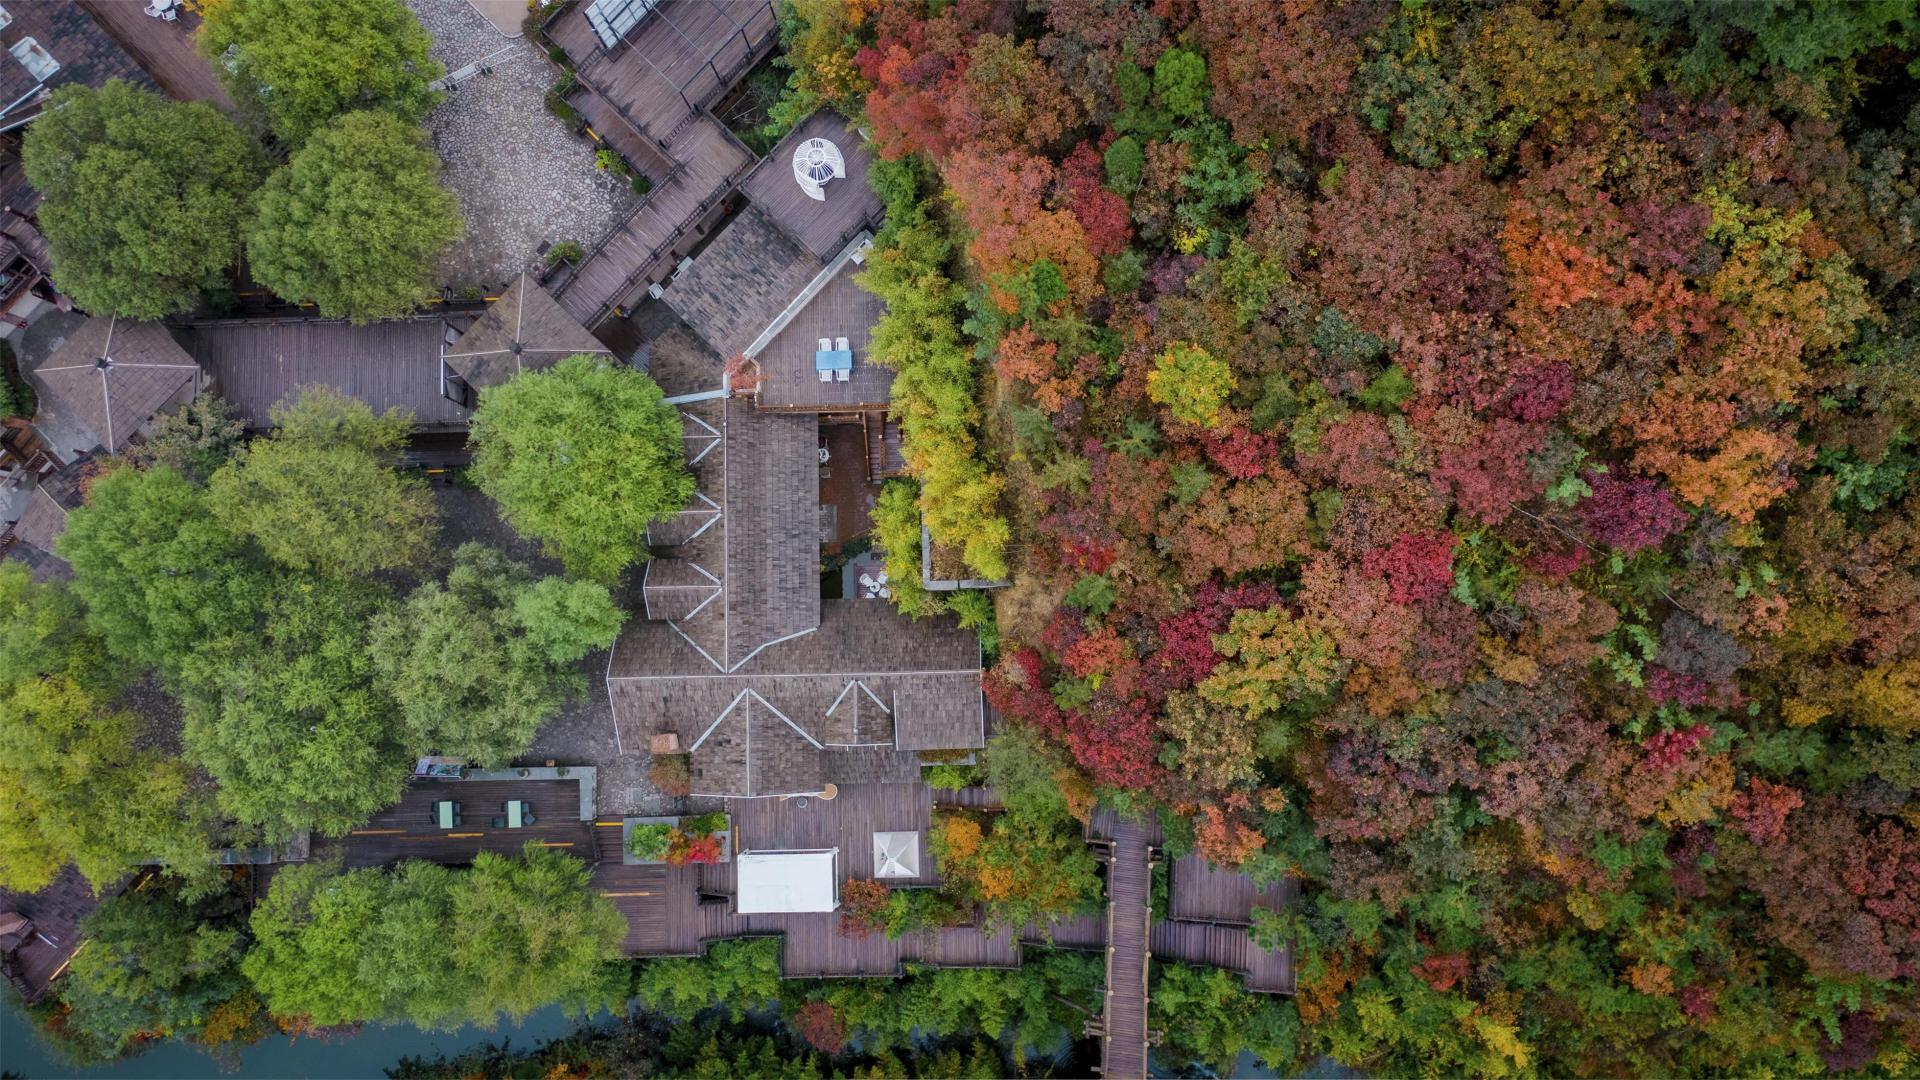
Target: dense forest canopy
[{"x": 1459, "y": 455}]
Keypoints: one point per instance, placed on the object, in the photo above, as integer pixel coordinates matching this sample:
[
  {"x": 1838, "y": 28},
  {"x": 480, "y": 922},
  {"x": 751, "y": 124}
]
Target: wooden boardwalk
[
  {"x": 662, "y": 229},
  {"x": 1123, "y": 1044},
  {"x": 407, "y": 829}
]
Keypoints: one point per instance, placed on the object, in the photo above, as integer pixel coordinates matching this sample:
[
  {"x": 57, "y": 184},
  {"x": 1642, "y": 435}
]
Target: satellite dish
[{"x": 815, "y": 162}]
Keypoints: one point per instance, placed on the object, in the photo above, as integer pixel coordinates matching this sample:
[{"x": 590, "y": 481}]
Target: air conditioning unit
[
  {"x": 685, "y": 265},
  {"x": 654, "y": 290}
]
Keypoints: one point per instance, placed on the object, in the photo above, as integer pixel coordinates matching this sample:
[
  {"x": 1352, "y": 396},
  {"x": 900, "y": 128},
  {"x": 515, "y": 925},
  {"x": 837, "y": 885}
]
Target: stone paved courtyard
[{"x": 521, "y": 176}]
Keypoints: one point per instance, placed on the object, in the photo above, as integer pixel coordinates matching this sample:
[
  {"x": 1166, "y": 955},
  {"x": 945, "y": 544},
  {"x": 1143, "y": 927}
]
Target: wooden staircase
[{"x": 606, "y": 841}]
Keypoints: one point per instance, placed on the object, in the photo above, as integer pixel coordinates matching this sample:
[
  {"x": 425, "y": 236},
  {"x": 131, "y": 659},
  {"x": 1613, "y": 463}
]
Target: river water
[{"x": 23, "y": 1052}]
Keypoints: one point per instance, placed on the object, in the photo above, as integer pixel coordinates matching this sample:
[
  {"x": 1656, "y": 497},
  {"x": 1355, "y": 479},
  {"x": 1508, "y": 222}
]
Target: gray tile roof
[
  {"x": 745, "y": 277},
  {"x": 524, "y": 330},
  {"x": 393, "y": 363},
  {"x": 848, "y": 702},
  {"x": 117, "y": 374},
  {"x": 751, "y": 529}
]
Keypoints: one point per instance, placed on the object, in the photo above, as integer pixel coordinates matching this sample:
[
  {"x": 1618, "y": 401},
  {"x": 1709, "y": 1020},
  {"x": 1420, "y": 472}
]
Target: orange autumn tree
[{"x": 1024, "y": 868}]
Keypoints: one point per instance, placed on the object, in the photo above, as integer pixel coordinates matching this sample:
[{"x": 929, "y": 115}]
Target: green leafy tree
[
  {"x": 537, "y": 933},
  {"x": 158, "y": 573},
  {"x": 335, "y": 948},
  {"x": 742, "y": 975},
  {"x": 474, "y": 679},
  {"x": 1209, "y": 1017},
  {"x": 1180, "y": 82},
  {"x": 146, "y": 198},
  {"x": 1191, "y": 383},
  {"x": 154, "y": 964},
  {"x": 75, "y": 780},
  {"x": 289, "y": 717},
  {"x": 356, "y": 223},
  {"x": 582, "y": 457},
  {"x": 193, "y": 440},
  {"x": 303, "y": 64},
  {"x": 322, "y": 492}
]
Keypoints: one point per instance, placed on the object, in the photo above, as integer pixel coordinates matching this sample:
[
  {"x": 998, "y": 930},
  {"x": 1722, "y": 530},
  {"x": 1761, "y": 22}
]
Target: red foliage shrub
[
  {"x": 1761, "y": 810},
  {"x": 1242, "y": 454},
  {"x": 1417, "y": 566},
  {"x": 1668, "y": 749},
  {"x": 1630, "y": 513},
  {"x": 821, "y": 1027},
  {"x": 1444, "y": 971},
  {"x": 863, "y": 907}
]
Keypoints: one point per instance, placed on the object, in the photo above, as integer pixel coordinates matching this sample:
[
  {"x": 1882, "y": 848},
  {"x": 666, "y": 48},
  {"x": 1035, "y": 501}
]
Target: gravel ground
[
  {"x": 583, "y": 733},
  {"x": 521, "y": 176}
]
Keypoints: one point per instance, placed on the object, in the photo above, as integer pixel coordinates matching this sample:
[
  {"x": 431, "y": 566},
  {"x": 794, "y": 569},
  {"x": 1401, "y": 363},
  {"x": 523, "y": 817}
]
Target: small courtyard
[{"x": 522, "y": 178}]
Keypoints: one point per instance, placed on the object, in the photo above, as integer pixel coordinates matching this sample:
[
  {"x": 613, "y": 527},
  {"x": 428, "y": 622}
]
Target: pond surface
[{"x": 23, "y": 1052}]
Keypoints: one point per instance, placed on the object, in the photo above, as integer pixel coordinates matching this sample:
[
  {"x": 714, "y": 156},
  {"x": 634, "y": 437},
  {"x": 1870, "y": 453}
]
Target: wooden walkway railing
[{"x": 1123, "y": 1044}]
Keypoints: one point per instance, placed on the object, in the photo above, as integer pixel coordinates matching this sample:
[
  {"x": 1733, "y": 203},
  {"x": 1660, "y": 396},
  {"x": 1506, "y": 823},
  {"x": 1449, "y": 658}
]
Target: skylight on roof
[{"x": 613, "y": 20}]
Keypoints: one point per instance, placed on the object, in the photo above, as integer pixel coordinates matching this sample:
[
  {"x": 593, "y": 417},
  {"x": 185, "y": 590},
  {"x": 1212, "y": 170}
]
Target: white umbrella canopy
[{"x": 896, "y": 854}]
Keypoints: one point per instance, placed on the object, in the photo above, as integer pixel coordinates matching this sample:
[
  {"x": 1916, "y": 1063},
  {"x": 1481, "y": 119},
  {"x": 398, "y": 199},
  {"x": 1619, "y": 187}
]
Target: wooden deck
[
  {"x": 680, "y": 911},
  {"x": 1203, "y": 893},
  {"x": 679, "y": 61},
  {"x": 407, "y": 829},
  {"x": 1123, "y": 1044},
  {"x": 661, "y": 229},
  {"x": 1225, "y": 947},
  {"x": 822, "y": 226}
]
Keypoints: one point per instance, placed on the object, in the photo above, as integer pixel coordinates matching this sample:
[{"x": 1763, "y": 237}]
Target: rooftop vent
[{"x": 815, "y": 162}]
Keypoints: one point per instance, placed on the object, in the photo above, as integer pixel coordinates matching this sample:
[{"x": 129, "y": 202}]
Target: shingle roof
[
  {"x": 393, "y": 363},
  {"x": 117, "y": 374},
  {"x": 753, "y": 529},
  {"x": 83, "y": 48},
  {"x": 744, "y": 278},
  {"x": 848, "y": 702},
  {"x": 42, "y": 522},
  {"x": 524, "y": 330}
]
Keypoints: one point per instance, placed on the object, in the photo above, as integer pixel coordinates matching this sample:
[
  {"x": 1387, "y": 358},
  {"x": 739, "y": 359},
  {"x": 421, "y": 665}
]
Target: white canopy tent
[
  {"x": 896, "y": 854},
  {"x": 784, "y": 882}
]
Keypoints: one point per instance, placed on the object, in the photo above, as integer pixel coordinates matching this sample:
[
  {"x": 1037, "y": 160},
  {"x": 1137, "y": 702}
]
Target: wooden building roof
[
  {"x": 116, "y": 375},
  {"x": 752, "y": 531},
  {"x": 524, "y": 330},
  {"x": 741, "y": 282},
  {"x": 255, "y": 363},
  {"x": 821, "y": 227},
  {"x": 848, "y": 701}
]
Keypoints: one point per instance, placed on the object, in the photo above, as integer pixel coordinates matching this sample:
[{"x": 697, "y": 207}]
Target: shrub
[
  {"x": 564, "y": 251},
  {"x": 950, "y": 777},
  {"x": 863, "y": 908},
  {"x": 672, "y": 774},
  {"x": 650, "y": 842}
]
